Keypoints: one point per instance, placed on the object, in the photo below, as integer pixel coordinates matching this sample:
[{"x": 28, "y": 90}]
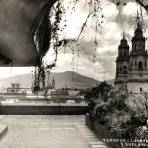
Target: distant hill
[{"x": 69, "y": 78}]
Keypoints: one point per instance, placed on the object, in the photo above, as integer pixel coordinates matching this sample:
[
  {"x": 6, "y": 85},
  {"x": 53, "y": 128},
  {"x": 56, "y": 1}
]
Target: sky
[{"x": 117, "y": 19}]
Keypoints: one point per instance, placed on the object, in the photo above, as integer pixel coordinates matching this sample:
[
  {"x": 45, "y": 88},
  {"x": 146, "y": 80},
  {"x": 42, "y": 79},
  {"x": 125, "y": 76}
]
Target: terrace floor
[{"x": 46, "y": 131}]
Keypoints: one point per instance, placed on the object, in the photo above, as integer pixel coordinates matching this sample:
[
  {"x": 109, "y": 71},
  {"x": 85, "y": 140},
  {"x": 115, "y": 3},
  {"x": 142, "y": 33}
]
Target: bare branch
[{"x": 142, "y": 4}]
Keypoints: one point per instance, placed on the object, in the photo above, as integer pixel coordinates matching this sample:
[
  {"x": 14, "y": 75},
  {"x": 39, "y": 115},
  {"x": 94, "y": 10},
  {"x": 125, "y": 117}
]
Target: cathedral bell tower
[
  {"x": 138, "y": 55},
  {"x": 138, "y": 41},
  {"x": 138, "y": 64},
  {"x": 53, "y": 83},
  {"x": 132, "y": 69},
  {"x": 122, "y": 63}
]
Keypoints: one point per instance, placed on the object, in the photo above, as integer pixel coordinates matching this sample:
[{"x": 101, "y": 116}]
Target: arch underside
[{"x": 19, "y": 22}]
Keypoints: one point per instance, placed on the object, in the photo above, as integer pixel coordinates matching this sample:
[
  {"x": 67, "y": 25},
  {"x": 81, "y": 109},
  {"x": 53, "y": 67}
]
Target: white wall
[{"x": 134, "y": 87}]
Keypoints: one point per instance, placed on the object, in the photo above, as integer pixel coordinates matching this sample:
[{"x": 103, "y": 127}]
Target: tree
[
  {"x": 103, "y": 90},
  {"x": 100, "y": 92},
  {"x": 138, "y": 105}
]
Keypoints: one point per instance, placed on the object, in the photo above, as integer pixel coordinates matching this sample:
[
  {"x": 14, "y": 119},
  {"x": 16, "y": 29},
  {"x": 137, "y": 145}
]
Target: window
[
  {"x": 12, "y": 90},
  {"x": 125, "y": 70},
  {"x": 140, "y": 89},
  {"x": 140, "y": 66}
]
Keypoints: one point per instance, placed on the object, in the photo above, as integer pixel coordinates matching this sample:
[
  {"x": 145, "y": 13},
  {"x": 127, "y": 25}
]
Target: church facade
[{"x": 132, "y": 65}]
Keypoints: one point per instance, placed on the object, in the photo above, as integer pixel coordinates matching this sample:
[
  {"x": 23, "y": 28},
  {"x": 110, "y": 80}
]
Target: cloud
[
  {"x": 109, "y": 10},
  {"x": 84, "y": 66},
  {"x": 116, "y": 20},
  {"x": 11, "y": 71},
  {"x": 132, "y": 6}
]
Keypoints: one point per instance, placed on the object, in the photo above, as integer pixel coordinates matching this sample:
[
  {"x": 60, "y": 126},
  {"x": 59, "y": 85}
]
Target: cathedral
[{"x": 132, "y": 65}]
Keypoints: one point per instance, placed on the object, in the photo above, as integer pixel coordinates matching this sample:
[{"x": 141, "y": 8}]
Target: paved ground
[
  {"x": 3, "y": 130},
  {"x": 48, "y": 132}
]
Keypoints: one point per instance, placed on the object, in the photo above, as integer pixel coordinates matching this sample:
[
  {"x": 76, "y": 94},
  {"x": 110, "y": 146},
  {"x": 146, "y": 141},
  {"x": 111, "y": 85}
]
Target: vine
[{"x": 49, "y": 34}]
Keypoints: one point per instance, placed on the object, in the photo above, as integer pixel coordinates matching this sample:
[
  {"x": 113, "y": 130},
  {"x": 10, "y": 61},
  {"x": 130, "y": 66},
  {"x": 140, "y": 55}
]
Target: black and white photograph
[{"x": 73, "y": 74}]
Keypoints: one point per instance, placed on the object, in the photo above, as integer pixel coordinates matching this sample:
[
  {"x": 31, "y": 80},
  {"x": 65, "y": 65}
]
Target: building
[
  {"x": 58, "y": 93},
  {"x": 53, "y": 83},
  {"x": 132, "y": 66},
  {"x": 16, "y": 89}
]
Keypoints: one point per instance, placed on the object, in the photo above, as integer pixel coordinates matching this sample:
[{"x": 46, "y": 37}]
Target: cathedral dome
[{"x": 123, "y": 42}]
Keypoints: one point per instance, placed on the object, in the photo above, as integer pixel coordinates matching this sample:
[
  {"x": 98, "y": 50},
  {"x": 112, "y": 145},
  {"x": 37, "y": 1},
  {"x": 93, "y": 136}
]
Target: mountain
[
  {"x": 73, "y": 79},
  {"x": 69, "y": 78}
]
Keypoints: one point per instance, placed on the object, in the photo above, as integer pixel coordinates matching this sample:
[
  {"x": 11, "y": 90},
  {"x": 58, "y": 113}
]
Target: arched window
[
  {"x": 125, "y": 70},
  {"x": 140, "y": 66}
]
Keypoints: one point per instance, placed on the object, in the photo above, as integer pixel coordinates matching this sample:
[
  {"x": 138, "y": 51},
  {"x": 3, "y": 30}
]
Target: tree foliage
[{"x": 100, "y": 92}]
